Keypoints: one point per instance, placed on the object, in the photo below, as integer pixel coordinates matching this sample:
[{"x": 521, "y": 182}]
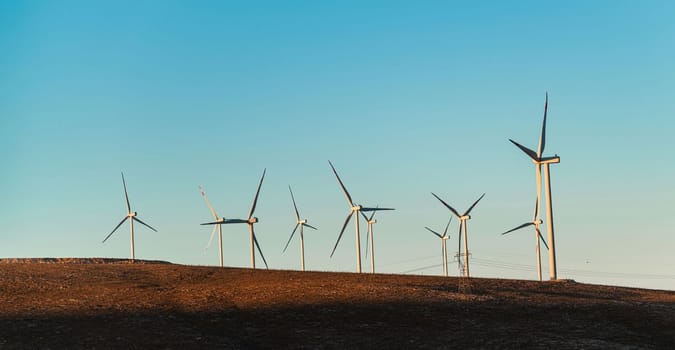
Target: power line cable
[{"x": 574, "y": 272}]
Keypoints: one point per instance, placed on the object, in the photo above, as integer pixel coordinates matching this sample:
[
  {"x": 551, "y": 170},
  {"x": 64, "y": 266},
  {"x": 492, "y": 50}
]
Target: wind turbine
[
  {"x": 538, "y": 159},
  {"x": 218, "y": 226},
  {"x": 462, "y": 228},
  {"x": 301, "y": 223},
  {"x": 354, "y": 210},
  {"x": 131, "y": 216},
  {"x": 443, "y": 238},
  {"x": 370, "y": 221},
  {"x": 536, "y": 221},
  {"x": 250, "y": 221}
]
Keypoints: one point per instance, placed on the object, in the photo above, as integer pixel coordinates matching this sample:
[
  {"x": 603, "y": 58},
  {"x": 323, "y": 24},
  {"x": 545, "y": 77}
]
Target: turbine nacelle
[
  {"x": 302, "y": 222},
  {"x": 132, "y": 214},
  {"x": 357, "y": 207},
  {"x": 547, "y": 160},
  {"x": 465, "y": 217},
  {"x": 374, "y": 221},
  {"x": 253, "y": 220},
  {"x": 538, "y": 222}
]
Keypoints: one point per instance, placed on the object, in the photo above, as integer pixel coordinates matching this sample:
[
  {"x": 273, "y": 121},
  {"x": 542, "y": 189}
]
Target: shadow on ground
[{"x": 480, "y": 324}]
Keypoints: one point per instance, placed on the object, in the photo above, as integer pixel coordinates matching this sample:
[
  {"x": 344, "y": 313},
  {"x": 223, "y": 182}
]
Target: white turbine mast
[
  {"x": 131, "y": 216},
  {"x": 462, "y": 231},
  {"x": 298, "y": 223},
  {"x": 538, "y": 159},
  {"x": 536, "y": 221},
  {"x": 217, "y": 226},
  {"x": 354, "y": 210},
  {"x": 444, "y": 250},
  {"x": 249, "y": 221}
]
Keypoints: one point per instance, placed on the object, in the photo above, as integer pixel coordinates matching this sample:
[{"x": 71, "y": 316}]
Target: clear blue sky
[{"x": 404, "y": 97}]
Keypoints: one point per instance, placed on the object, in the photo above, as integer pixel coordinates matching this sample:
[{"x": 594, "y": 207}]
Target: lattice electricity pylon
[{"x": 464, "y": 280}]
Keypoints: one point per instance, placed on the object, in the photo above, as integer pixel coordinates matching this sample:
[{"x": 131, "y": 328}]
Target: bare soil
[{"x": 112, "y": 304}]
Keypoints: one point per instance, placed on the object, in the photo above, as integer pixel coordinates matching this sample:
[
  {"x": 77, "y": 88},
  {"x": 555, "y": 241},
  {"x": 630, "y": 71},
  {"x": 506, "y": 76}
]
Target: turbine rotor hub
[{"x": 253, "y": 220}]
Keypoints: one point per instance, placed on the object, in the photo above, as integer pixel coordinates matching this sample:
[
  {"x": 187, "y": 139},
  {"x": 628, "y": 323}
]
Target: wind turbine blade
[
  {"x": 125, "y": 194},
  {"x": 434, "y": 232},
  {"x": 445, "y": 232},
  {"x": 213, "y": 234},
  {"x": 234, "y": 221},
  {"x": 310, "y": 226},
  {"x": 212, "y": 223},
  {"x": 289, "y": 239},
  {"x": 459, "y": 245},
  {"x": 447, "y": 205},
  {"x": 518, "y": 228},
  {"x": 474, "y": 204},
  {"x": 538, "y": 172},
  {"x": 376, "y": 209},
  {"x": 257, "y": 245},
  {"x": 344, "y": 189},
  {"x": 542, "y": 238},
  {"x": 364, "y": 215},
  {"x": 349, "y": 217},
  {"x": 297, "y": 214},
  {"x": 206, "y": 199},
  {"x": 542, "y": 137},
  {"x": 373, "y": 214},
  {"x": 255, "y": 199},
  {"x": 530, "y": 153},
  {"x": 368, "y": 239},
  {"x": 536, "y": 209},
  {"x": 146, "y": 225},
  {"x": 115, "y": 229}
]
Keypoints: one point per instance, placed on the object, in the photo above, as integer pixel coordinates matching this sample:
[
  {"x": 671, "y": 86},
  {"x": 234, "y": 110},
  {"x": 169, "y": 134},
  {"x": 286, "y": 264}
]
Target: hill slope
[{"x": 82, "y": 305}]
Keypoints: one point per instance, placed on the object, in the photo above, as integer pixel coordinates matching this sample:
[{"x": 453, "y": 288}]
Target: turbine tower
[
  {"x": 370, "y": 221},
  {"x": 538, "y": 159},
  {"x": 301, "y": 223},
  {"x": 462, "y": 230},
  {"x": 354, "y": 210},
  {"x": 536, "y": 221},
  {"x": 250, "y": 221},
  {"x": 443, "y": 238},
  {"x": 131, "y": 216},
  {"x": 218, "y": 226}
]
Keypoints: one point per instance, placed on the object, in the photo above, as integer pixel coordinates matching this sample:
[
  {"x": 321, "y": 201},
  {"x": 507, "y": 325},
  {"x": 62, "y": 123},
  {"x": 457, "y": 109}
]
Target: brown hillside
[{"x": 71, "y": 304}]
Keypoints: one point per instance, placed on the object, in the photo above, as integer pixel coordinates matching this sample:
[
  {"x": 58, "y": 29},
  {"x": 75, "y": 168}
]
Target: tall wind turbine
[
  {"x": 250, "y": 221},
  {"x": 354, "y": 210},
  {"x": 443, "y": 238},
  {"x": 299, "y": 223},
  {"x": 536, "y": 221},
  {"x": 370, "y": 221},
  {"x": 218, "y": 226},
  {"x": 131, "y": 216},
  {"x": 538, "y": 159},
  {"x": 462, "y": 229}
]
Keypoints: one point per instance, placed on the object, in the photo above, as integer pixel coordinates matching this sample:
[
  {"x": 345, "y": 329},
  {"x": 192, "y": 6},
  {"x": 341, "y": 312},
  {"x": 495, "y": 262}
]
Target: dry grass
[{"x": 98, "y": 303}]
